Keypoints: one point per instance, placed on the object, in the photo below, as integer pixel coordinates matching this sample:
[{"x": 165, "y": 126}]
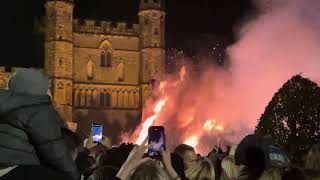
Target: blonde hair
[
  {"x": 150, "y": 169},
  {"x": 203, "y": 170},
  {"x": 272, "y": 174},
  {"x": 229, "y": 169},
  {"x": 313, "y": 158}
]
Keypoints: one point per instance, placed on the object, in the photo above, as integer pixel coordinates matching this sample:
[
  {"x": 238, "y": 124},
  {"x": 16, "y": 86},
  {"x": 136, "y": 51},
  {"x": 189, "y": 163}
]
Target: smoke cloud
[{"x": 282, "y": 40}]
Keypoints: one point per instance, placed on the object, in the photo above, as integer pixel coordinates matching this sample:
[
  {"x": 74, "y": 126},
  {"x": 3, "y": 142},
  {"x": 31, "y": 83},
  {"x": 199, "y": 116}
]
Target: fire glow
[
  {"x": 271, "y": 48},
  {"x": 181, "y": 115}
]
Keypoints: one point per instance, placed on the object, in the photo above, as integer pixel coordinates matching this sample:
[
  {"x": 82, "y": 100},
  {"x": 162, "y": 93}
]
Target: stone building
[{"x": 99, "y": 70}]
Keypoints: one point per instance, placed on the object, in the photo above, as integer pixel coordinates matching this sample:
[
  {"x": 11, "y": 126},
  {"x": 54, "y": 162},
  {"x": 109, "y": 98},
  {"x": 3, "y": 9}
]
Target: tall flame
[
  {"x": 150, "y": 121},
  {"x": 185, "y": 110}
]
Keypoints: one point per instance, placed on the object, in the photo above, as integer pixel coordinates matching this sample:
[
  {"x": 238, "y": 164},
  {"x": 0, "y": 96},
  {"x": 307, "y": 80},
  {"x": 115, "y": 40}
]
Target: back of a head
[
  {"x": 233, "y": 149},
  {"x": 255, "y": 158},
  {"x": 203, "y": 170},
  {"x": 229, "y": 169},
  {"x": 313, "y": 159},
  {"x": 29, "y": 81},
  {"x": 72, "y": 139},
  {"x": 105, "y": 173},
  {"x": 149, "y": 170},
  {"x": 272, "y": 174},
  {"x": 294, "y": 174},
  {"x": 178, "y": 166},
  {"x": 182, "y": 148}
]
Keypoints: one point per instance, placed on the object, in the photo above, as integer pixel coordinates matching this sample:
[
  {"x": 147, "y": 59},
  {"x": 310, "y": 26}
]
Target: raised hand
[{"x": 134, "y": 159}]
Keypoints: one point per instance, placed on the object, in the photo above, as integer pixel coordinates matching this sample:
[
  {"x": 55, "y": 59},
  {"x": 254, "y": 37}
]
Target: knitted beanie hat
[{"x": 29, "y": 81}]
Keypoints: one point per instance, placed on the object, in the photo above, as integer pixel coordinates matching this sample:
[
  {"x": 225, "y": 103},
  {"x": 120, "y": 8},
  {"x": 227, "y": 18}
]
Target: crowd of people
[{"x": 35, "y": 144}]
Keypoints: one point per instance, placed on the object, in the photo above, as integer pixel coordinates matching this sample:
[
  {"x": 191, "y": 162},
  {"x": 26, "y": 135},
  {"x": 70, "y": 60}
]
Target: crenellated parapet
[
  {"x": 4, "y": 70},
  {"x": 105, "y": 27}
]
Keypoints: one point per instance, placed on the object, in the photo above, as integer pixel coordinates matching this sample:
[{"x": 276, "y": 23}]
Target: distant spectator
[
  {"x": 203, "y": 170},
  {"x": 312, "y": 164},
  {"x": 178, "y": 166},
  {"x": 272, "y": 174},
  {"x": 31, "y": 145},
  {"x": 136, "y": 167},
  {"x": 212, "y": 152},
  {"x": 255, "y": 164},
  {"x": 295, "y": 174},
  {"x": 188, "y": 154},
  {"x": 104, "y": 173},
  {"x": 150, "y": 169},
  {"x": 229, "y": 169},
  {"x": 84, "y": 161},
  {"x": 233, "y": 150}
]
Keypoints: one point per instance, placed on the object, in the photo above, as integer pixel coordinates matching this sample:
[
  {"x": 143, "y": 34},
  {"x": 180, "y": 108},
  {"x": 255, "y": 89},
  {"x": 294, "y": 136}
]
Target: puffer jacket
[{"x": 30, "y": 133}]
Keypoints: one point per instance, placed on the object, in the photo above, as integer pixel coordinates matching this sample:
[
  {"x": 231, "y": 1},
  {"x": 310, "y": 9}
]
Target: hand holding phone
[{"x": 157, "y": 138}]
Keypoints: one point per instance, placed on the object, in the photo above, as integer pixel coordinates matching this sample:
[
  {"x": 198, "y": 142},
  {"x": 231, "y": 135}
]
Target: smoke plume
[{"x": 222, "y": 105}]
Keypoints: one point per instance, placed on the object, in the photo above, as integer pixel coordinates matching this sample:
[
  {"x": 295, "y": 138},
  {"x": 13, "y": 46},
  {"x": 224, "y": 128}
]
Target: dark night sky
[{"x": 186, "y": 19}]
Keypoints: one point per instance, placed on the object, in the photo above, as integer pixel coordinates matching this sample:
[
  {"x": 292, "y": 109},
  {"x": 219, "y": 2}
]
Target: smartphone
[
  {"x": 96, "y": 132},
  {"x": 157, "y": 137}
]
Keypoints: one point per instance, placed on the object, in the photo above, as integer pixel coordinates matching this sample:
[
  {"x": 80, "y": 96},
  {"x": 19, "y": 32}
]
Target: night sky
[{"x": 186, "y": 21}]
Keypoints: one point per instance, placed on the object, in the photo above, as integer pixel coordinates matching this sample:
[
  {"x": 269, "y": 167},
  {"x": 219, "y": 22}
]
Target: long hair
[
  {"x": 229, "y": 169},
  {"x": 313, "y": 158},
  {"x": 272, "y": 174},
  {"x": 148, "y": 170},
  {"x": 203, "y": 170}
]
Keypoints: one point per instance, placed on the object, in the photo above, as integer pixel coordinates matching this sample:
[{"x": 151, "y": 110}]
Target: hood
[{"x": 10, "y": 101}]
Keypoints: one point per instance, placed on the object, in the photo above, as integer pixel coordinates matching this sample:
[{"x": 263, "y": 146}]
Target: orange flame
[
  {"x": 192, "y": 141},
  {"x": 219, "y": 127},
  {"x": 149, "y": 121},
  {"x": 209, "y": 125}
]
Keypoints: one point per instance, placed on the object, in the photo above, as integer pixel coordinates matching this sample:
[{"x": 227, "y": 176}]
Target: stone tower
[
  {"x": 152, "y": 42},
  {"x": 59, "y": 54}
]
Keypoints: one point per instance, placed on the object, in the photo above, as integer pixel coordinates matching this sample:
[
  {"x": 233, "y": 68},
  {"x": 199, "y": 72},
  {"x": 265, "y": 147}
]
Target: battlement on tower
[
  {"x": 105, "y": 27},
  {"x": 4, "y": 70},
  {"x": 69, "y": 1}
]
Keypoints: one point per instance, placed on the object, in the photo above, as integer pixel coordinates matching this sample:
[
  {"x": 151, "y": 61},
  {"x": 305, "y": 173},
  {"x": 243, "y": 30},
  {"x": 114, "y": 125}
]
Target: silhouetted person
[{"x": 31, "y": 144}]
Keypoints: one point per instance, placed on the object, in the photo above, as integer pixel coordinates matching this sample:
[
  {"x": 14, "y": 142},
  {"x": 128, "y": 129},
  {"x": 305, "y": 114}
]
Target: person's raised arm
[{"x": 134, "y": 159}]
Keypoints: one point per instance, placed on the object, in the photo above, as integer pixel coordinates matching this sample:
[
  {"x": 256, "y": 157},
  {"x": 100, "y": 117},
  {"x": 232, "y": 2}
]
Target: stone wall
[{"x": 125, "y": 59}]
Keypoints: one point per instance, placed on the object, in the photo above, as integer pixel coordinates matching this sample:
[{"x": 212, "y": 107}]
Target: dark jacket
[{"x": 30, "y": 133}]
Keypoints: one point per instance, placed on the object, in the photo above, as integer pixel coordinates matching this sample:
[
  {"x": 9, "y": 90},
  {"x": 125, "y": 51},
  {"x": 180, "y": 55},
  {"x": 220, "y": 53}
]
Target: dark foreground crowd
[{"x": 35, "y": 144}]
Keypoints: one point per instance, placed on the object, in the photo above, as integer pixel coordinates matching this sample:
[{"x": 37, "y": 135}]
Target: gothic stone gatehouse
[{"x": 100, "y": 70}]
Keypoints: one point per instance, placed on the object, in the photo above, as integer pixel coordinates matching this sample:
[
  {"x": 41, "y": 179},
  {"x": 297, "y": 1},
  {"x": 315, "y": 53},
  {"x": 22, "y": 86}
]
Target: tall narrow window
[
  {"x": 101, "y": 99},
  {"x": 103, "y": 59},
  {"x": 106, "y": 59},
  {"x": 105, "y": 100}
]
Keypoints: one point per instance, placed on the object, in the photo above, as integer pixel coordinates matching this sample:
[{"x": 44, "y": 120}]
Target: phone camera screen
[
  {"x": 97, "y": 132},
  {"x": 156, "y": 136}
]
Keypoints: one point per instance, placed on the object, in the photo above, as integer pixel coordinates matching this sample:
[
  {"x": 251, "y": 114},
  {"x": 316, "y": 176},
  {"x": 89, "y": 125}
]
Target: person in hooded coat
[{"x": 31, "y": 144}]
